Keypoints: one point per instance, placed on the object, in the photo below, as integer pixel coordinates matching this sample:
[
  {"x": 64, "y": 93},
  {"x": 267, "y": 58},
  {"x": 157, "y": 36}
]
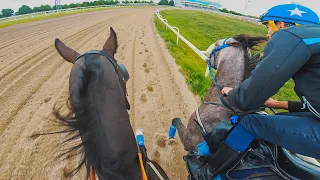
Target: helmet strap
[{"x": 273, "y": 26}]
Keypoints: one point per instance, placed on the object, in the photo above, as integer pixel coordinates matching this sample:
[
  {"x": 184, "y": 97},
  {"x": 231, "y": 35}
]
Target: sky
[{"x": 255, "y": 7}]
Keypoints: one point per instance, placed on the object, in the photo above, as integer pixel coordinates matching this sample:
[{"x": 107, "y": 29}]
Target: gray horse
[{"x": 234, "y": 65}]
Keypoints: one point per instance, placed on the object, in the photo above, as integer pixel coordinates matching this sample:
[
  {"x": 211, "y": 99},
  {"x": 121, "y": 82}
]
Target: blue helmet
[{"x": 291, "y": 13}]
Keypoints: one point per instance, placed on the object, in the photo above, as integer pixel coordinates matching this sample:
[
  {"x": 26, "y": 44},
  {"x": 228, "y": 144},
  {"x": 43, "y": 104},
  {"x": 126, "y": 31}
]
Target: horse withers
[
  {"x": 210, "y": 124},
  {"x": 99, "y": 115}
]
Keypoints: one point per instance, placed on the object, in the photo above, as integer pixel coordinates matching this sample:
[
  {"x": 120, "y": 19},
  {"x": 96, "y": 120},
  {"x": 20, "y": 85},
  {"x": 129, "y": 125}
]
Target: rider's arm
[
  {"x": 296, "y": 106},
  {"x": 284, "y": 55}
]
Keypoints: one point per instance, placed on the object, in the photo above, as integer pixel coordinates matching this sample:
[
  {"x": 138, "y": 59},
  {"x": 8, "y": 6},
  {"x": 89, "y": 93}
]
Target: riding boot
[
  {"x": 193, "y": 162},
  {"x": 222, "y": 159}
]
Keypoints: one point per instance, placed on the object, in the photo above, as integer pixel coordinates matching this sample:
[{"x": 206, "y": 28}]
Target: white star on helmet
[{"x": 296, "y": 11}]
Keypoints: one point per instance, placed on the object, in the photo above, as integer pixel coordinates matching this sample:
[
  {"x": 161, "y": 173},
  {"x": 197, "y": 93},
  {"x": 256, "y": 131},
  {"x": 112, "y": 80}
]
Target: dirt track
[{"x": 33, "y": 77}]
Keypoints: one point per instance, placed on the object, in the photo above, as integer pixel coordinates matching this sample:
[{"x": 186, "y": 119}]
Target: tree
[
  {"x": 171, "y": 3},
  {"x": 24, "y": 9},
  {"x": 36, "y": 9},
  {"x": 6, "y": 12},
  {"x": 78, "y": 5},
  {"x": 85, "y": 4},
  {"x": 96, "y": 3},
  {"x": 43, "y": 8},
  {"x": 65, "y": 6},
  {"x": 46, "y": 7},
  {"x": 163, "y": 2},
  {"x": 72, "y": 5}
]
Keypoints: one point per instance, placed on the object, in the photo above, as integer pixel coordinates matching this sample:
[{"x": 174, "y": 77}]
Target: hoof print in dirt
[
  {"x": 161, "y": 140},
  {"x": 143, "y": 98},
  {"x": 156, "y": 156},
  {"x": 172, "y": 142},
  {"x": 150, "y": 88},
  {"x": 147, "y": 70}
]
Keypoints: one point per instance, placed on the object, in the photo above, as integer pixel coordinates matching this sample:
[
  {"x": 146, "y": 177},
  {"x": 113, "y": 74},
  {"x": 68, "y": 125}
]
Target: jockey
[{"x": 293, "y": 51}]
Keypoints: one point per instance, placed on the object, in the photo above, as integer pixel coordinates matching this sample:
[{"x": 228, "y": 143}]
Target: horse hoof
[{"x": 176, "y": 121}]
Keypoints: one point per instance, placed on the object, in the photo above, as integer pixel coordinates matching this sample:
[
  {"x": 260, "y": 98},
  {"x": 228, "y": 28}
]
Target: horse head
[{"x": 233, "y": 59}]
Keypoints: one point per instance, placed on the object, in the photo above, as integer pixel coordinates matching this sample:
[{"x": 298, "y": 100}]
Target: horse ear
[
  {"x": 111, "y": 44},
  {"x": 210, "y": 49},
  {"x": 67, "y": 53},
  {"x": 233, "y": 42}
]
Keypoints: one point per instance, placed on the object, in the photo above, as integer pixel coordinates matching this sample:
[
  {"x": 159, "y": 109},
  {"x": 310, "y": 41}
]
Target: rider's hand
[
  {"x": 225, "y": 90},
  {"x": 271, "y": 103}
]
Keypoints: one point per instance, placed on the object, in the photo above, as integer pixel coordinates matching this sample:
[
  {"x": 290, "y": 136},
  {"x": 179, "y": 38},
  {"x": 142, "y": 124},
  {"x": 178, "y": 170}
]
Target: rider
[{"x": 293, "y": 51}]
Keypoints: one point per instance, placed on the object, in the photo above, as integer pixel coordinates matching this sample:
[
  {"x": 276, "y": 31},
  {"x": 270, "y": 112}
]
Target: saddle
[{"x": 262, "y": 160}]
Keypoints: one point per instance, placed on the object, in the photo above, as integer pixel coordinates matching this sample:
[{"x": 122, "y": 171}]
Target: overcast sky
[{"x": 255, "y": 7}]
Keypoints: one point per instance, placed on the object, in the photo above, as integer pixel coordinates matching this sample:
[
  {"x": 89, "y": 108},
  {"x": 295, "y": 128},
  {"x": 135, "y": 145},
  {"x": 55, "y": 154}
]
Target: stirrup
[{"x": 218, "y": 162}]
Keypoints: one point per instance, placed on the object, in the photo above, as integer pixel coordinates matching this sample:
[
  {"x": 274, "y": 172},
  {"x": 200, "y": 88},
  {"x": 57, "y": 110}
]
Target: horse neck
[{"x": 229, "y": 74}]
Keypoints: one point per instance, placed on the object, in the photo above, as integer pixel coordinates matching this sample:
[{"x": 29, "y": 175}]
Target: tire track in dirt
[
  {"x": 159, "y": 94},
  {"x": 132, "y": 82},
  {"x": 35, "y": 64},
  {"x": 40, "y": 63},
  {"x": 35, "y": 79},
  {"x": 72, "y": 36},
  {"x": 83, "y": 42}
]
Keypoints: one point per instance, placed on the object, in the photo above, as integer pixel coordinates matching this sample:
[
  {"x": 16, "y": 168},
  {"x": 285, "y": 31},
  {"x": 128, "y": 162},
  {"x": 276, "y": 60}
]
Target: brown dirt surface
[{"x": 34, "y": 78}]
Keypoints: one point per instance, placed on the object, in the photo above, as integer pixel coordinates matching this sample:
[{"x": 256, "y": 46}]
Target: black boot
[{"x": 222, "y": 159}]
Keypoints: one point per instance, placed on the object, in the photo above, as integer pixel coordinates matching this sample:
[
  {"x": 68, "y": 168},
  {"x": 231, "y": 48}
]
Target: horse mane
[
  {"x": 250, "y": 41},
  {"x": 247, "y": 41},
  {"x": 82, "y": 144}
]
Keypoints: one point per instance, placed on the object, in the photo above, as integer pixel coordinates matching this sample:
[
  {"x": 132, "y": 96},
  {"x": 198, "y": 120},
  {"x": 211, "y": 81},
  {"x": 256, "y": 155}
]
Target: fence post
[
  {"x": 178, "y": 33},
  {"x": 195, "y": 49}
]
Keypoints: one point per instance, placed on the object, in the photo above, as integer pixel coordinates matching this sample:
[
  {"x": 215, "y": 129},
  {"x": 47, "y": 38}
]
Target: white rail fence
[
  {"x": 46, "y": 13},
  {"x": 179, "y": 36}
]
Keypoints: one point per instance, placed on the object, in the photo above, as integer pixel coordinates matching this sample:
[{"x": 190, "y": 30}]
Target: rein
[
  {"x": 214, "y": 53},
  {"x": 220, "y": 87},
  {"x": 215, "y": 82}
]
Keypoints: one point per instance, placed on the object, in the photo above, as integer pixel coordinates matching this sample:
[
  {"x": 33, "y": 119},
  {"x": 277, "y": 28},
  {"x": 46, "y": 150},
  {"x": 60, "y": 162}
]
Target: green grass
[
  {"x": 202, "y": 29},
  {"x": 49, "y": 16}
]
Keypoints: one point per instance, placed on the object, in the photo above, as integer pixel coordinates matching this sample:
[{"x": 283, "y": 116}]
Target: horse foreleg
[{"x": 190, "y": 136}]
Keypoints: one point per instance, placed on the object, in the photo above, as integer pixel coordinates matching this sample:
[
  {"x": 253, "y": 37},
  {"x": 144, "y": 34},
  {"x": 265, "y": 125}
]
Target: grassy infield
[{"x": 202, "y": 29}]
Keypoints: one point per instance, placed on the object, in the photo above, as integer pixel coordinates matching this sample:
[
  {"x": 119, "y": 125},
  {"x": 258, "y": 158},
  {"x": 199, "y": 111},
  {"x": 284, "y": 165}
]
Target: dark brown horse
[{"x": 99, "y": 114}]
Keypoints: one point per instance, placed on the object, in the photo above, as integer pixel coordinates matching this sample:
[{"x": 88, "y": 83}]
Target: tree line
[
  {"x": 236, "y": 13},
  {"x": 166, "y": 2},
  {"x": 24, "y": 9}
]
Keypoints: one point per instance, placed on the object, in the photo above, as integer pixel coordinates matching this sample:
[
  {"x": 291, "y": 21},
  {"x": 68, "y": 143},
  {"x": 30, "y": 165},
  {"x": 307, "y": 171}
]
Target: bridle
[{"x": 120, "y": 69}]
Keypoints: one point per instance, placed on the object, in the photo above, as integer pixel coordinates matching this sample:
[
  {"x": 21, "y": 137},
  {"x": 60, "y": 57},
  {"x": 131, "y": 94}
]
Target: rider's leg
[
  {"x": 233, "y": 150},
  {"x": 297, "y": 132}
]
